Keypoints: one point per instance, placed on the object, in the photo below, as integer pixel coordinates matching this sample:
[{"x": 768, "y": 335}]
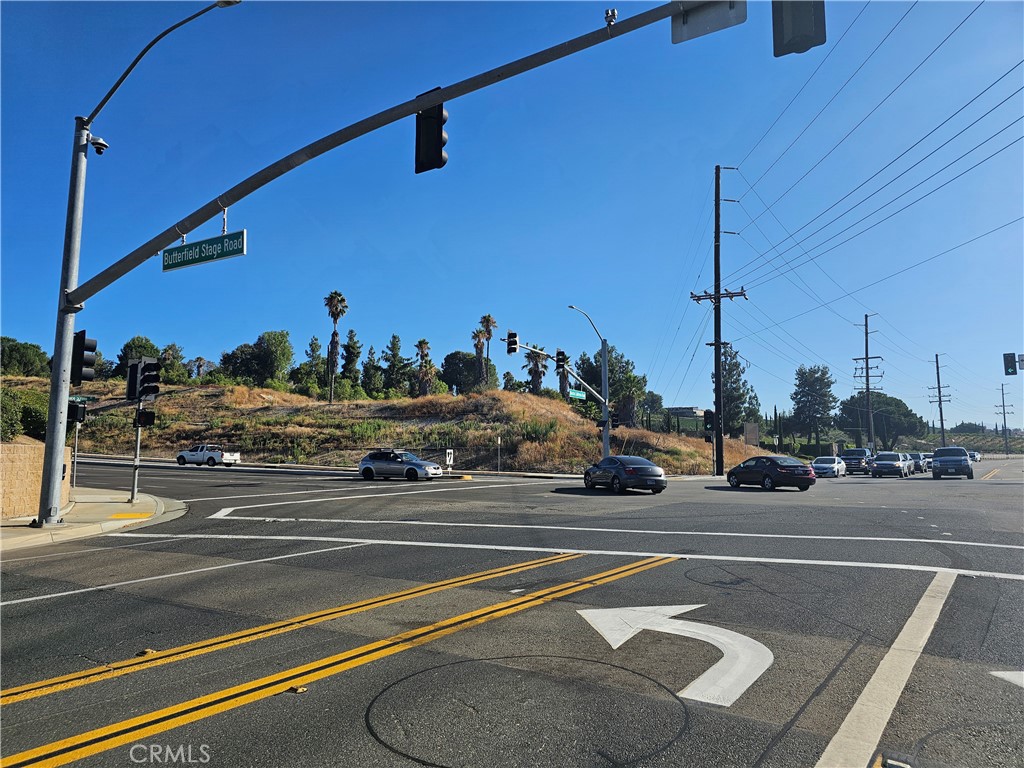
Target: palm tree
[
  {"x": 427, "y": 368},
  {"x": 488, "y": 324},
  {"x": 537, "y": 365},
  {"x": 479, "y": 337},
  {"x": 337, "y": 307}
]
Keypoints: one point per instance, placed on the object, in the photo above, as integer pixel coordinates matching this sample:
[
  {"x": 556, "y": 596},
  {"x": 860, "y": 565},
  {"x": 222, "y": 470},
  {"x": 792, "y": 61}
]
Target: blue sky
[{"x": 587, "y": 182}]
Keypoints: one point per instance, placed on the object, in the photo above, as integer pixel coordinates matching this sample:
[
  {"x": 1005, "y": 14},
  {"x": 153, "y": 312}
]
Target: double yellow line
[
  {"x": 134, "y": 729},
  {"x": 138, "y": 664}
]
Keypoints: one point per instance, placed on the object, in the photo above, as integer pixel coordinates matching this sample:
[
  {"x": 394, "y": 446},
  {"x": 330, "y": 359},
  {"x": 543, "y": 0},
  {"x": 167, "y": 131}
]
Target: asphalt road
[{"x": 320, "y": 620}]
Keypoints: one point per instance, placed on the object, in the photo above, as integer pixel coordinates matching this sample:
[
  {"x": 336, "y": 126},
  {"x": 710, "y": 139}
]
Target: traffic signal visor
[{"x": 513, "y": 342}]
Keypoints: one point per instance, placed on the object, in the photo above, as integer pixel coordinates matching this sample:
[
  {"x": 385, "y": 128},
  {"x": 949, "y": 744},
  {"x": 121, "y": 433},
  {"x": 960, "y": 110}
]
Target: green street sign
[
  {"x": 202, "y": 251},
  {"x": 82, "y": 398},
  {"x": 577, "y": 394}
]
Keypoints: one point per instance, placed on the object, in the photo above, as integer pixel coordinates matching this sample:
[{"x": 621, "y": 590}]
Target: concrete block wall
[{"x": 21, "y": 479}]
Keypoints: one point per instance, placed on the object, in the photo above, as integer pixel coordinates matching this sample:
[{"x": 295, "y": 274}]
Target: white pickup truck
[{"x": 208, "y": 454}]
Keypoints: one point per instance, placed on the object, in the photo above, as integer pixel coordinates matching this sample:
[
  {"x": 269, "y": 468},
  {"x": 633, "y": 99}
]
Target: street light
[
  {"x": 604, "y": 382},
  {"x": 60, "y": 375}
]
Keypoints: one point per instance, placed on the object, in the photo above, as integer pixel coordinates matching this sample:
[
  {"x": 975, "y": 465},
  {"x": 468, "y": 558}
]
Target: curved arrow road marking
[{"x": 743, "y": 661}]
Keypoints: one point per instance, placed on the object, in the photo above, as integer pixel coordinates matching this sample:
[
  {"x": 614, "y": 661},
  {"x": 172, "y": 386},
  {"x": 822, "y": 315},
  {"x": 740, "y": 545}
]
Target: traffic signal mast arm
[{"x": 522, "y": 345}]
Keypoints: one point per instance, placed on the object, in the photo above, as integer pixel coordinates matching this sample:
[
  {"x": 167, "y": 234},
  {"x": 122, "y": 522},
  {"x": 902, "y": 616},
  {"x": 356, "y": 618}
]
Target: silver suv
[{"x": 387, "y": 462}]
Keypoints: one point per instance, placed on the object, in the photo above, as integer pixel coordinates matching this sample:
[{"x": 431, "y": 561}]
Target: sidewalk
[{"x": 93, "y": 511}]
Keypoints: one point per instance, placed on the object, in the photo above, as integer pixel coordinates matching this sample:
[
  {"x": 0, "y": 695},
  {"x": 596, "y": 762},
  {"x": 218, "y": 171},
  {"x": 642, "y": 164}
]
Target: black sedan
[
  {"x": 622, "y": 472},
  {"x": 771, "y": 472}
]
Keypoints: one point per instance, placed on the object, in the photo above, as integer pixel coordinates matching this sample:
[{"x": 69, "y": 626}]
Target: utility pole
[
  {"x": 1002, "y": 409},
  {"x": 940, "y": 398},
  {"x": 716, "y": 298},
  {"x": 868, "y": 357}
]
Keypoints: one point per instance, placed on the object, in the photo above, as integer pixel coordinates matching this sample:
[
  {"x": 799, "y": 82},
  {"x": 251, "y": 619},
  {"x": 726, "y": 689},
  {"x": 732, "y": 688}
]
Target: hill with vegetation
[{"x": 536, "y": 433}]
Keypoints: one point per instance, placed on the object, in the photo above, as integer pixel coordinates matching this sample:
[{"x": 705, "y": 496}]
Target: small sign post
[{"x": 449, "y": 458}]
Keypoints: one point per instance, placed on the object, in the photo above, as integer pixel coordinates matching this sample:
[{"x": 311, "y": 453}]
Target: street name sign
[
  {"x": 577, "y": 394},
  {"x": 202, "y": 251}
]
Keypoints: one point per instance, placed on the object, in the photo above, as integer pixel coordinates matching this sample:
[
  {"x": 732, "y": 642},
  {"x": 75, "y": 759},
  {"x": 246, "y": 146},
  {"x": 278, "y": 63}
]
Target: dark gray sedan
[{"x": 622, "y": 472}]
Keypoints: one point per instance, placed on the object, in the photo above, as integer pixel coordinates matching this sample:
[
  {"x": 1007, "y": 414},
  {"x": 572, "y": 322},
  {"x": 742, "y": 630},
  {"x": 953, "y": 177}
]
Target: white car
[{"x": 829, "y": 466}]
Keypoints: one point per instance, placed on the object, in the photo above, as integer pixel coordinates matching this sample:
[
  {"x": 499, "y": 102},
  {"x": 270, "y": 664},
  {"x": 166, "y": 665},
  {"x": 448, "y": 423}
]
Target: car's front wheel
[
  {"x": 734, "y": 481},
  {"x": 970, "y": 475},
  {"x": 367, "y": 473},
  {"x": 410, "y": 474},
  {"x": 767, "y": 483},
  {"x": 936, "y": 475},
  {"x": 181, "y": 461},
  {"x": 803, "y": 487},
  {"x": 588, "y": 481},
  {"x": 657, "y": 490}
]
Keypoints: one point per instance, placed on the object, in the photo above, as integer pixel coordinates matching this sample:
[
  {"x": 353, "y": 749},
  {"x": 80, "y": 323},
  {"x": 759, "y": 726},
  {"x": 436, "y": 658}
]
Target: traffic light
[
  {"x": 83, "y": 358},
  {"x": 1010, "y": 364},
  {"x": 797, "y": 25},
  {"x": 431, "y": 138},
  {"x": 145, "y": 418},
  {"x": 131, "y": 390},
  {"x": 149, "y": 378},
  {"x": 76, "y": 412},
  {"x": 513, "y": 342},
  {"x": 709, "y": 421},
  {"x": 560, "y": 360}
]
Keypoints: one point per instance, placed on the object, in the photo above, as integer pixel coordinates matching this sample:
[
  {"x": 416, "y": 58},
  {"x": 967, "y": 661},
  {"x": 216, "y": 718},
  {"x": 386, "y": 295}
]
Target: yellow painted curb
[
  {"x": 465, "y": 477},
  {"x": 131, "y": 516}
]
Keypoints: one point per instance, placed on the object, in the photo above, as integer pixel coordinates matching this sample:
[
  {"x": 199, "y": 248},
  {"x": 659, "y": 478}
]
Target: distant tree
[
  {"x": 172, "y": 365},
  {"x": 427, "y": 370},
  {"x": 133, "y": 349},
  {"x": 625, "y": 387},
  {"x": 536, "y": 365},
  {"x": 275, "y": 354},
  {"x": 488, "y": 324},
  {"x": 737, "y": 394},
  {"x": 459, "y": 371},
  {"x": 310, "y": 374},
  {"x": 813, "y": 401},
  {"x": 397, "y": 369},
  {"x": 372, "y": 379},
  {"x": 337, "y": 307},
  {"x": 241, "y": 364},
  {"x": 10, "y": 414},
  {"x": 19, "y": 358},
  {"x": 104, "y": 368},
  {"x": 198, "y": 367},
  {"x": 479, "y": 339},
  {"x": 892, "y": 418},
  {"x": 350, "y": 353},
  {"x": 968, "y": 428},
  {"x": 511, "y": 384}
]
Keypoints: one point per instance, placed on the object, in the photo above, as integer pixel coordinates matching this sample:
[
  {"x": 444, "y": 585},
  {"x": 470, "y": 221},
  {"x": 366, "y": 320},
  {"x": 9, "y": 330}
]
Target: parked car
[
  {"x": 386, "y": 462},
  {"x": 829, "y": 466},
  {"x": 952, "y": 460},
  {"x": 857, "y": 460},
  {"x": 622, "y": 472},
  {"x": 211, "y": 455},
  {"x": 888, "y": 463},
  {"x": 921, "y": 462},
  {"x": 771, "y": 472}
]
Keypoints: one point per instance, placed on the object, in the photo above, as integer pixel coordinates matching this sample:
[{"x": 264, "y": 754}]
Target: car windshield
[
  {"x": 635, "y": 461},
  {"x": 788, "y": 461},
  {"x": 824, "y": 460},
  {"x": 406, "y": 456},
  {"x": 887, "y": 457},
  {"x": 950, "y": 452}
]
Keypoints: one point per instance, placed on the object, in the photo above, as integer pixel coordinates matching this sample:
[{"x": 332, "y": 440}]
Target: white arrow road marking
[
  {"x": 744, "y": 659},
  {"x": 1017, "y": 678}
]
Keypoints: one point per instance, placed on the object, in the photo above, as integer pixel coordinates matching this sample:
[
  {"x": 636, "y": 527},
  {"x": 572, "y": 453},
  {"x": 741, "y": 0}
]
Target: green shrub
[
  {"x": 34, "y": 407},
  {"x": 10, "y": 415},
  {"x": 277, "y": 386}
]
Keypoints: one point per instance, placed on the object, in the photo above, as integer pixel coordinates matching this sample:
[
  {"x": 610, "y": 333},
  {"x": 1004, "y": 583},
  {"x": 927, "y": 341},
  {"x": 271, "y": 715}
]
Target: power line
[
  {"x": 806, "y": 83},
  {"x": 799, "y": 243},
  {"x": 877, "y": 106},
  {"x": 901, "y": 210},
  {"x": 833, "y": 98}
]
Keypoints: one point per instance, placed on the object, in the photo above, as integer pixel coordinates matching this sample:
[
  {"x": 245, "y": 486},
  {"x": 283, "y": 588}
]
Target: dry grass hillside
[{"x": 536, "y": 434}]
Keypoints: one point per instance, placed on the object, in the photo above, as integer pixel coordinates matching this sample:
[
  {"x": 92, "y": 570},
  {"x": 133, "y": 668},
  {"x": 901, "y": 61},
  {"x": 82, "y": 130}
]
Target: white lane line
[
  {"x": 611, "y": 552},
  {"x": 173, "y": 575},
  {"x": 1017, "y": 678},
  {"x": 82, "y": 551},
  {"x": 224, "y": 513},
  {"x": 360, "y": 488},
  {"x": 858, "y": 736},
  {"x": 228, "y": 510}
]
